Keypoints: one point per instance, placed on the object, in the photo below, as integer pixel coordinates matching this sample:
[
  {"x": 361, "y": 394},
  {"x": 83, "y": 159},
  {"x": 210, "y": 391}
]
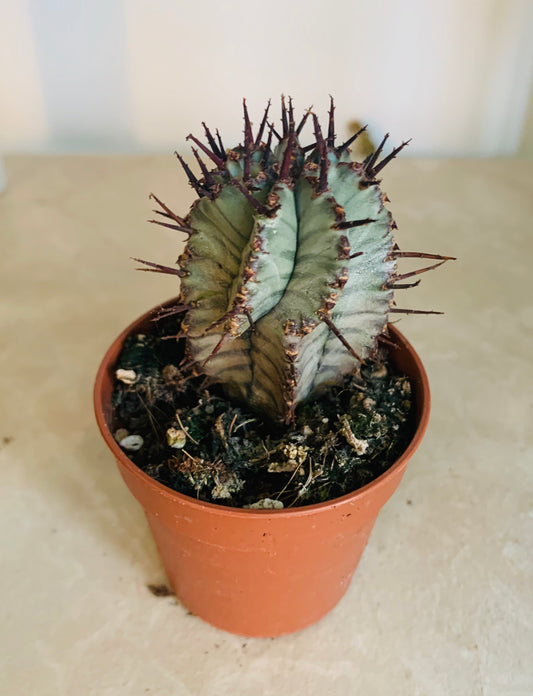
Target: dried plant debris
[
  {"x": 161, "y": 590},
  {"x": 196, "y": 441}
]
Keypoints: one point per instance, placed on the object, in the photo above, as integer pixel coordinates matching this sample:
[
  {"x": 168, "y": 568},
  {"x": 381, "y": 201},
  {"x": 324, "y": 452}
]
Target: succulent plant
[{"x": 290, "y": 267}]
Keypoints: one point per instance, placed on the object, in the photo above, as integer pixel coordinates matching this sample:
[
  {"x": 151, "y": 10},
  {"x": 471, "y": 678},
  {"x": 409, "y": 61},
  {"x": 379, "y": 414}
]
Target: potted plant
[{"x": 264, "y": 416}]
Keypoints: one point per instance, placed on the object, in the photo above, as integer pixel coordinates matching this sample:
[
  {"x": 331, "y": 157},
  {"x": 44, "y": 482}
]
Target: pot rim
[{"x": 224, "y": 510}]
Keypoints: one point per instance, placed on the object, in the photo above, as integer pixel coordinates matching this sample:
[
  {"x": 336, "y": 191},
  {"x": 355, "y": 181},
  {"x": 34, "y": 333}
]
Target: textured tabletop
[{"x": 441, "y": 603}]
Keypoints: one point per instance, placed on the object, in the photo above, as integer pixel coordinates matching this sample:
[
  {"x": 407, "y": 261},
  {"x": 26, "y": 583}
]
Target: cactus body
[{"x": 287, "y": 275}]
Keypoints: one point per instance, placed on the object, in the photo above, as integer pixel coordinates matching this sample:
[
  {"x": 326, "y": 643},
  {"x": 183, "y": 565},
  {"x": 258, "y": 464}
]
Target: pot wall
[{"x": 260, "y": 573}]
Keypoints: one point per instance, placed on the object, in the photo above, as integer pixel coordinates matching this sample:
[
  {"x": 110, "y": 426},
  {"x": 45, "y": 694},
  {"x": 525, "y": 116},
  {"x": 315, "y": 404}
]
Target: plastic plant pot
[{"x": 260, "y": 572}]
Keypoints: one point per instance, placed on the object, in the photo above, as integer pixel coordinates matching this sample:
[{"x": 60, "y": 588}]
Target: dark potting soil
[{"x": 181, "y": 430}]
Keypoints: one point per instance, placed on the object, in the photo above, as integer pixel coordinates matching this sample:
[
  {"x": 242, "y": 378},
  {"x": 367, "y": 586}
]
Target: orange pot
[{"x": 260, "y": 572}]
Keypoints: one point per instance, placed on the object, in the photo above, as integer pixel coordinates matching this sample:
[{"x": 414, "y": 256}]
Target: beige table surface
[{"x": 442, "y": 600}]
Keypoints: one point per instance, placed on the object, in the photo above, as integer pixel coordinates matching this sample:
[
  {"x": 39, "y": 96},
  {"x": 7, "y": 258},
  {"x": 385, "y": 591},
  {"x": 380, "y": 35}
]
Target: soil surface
[{"x": 181, "y": 430}]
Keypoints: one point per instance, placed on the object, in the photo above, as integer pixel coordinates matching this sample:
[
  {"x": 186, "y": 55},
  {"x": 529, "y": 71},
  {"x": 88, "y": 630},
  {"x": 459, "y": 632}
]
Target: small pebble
[
  {"x": 406, "y": 387},
  {"x": 176, "y": 438},
  {"x": 265, "y": 504},
  {"x": 126, "y": 376},
  {"x": 120, "y": 434},
  {"x": 132, "y": 442}
]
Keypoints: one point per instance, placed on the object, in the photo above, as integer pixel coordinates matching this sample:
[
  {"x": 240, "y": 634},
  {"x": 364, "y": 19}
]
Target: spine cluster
[{"x": 289, "y": 270}]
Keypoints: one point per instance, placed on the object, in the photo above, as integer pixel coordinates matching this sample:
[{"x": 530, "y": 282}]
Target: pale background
[
  {"x": 139, "y": 75},
  {"x": 441, "y": 604}
]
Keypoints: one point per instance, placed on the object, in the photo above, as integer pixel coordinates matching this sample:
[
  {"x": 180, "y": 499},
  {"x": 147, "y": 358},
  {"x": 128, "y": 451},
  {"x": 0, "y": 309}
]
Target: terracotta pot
[{"x": 268, "y": 572}]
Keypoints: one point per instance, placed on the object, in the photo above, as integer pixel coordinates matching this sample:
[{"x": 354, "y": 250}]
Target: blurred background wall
[{"x": 139, "y": 75}]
